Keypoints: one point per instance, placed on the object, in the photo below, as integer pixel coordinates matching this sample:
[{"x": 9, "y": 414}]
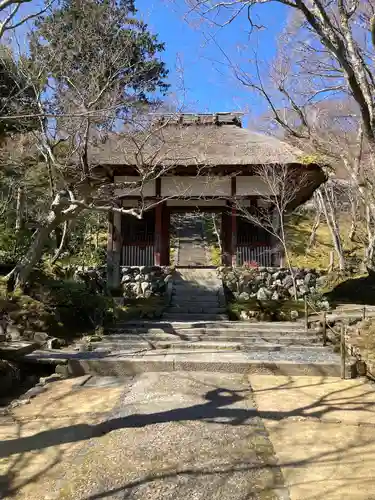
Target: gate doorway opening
[
  {"x": 195, "y": 239},
  {"x": 193, "y": 236}
]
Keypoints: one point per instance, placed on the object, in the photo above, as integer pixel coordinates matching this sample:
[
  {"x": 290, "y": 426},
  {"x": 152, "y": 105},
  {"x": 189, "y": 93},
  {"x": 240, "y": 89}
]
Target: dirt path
[{"x": 194, "y": 436}]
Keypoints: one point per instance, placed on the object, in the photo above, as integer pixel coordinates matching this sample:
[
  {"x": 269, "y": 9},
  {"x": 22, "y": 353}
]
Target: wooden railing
[{"x": 309, "y": 306}]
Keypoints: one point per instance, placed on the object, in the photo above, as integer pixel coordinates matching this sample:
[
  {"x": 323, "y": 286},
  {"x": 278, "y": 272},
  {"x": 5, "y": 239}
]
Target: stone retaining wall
[
  {"x": 267, "y": 283},
  {"x": 143, "y": 281}
]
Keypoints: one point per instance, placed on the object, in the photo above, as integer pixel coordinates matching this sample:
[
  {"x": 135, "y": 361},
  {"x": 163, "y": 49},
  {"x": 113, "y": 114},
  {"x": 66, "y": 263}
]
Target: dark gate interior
[{"x": 138, "y": 237}]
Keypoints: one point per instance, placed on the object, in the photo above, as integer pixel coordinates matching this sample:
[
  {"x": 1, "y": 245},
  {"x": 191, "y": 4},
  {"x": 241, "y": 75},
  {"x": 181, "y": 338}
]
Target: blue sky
[
  {"x": 199, "y": 74},
  {"x": 208, "y": 82}
]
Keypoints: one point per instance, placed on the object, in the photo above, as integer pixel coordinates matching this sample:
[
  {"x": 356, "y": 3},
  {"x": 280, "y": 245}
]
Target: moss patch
[
  {"x": 266, "y": 310},
  {"x": 298, "y": 231}
]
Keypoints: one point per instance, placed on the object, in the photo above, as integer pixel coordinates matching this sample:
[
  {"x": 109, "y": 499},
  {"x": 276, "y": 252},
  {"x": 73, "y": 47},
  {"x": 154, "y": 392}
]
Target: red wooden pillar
[
  {"x": 166, "y": 217},
  {"x": 158, "y": 234},
  {"x": 226, "y": 257},
  {"x": 233, "y": 249}
]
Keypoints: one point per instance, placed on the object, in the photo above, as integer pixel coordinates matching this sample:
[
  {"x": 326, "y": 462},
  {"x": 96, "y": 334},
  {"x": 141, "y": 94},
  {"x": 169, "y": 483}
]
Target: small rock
[
  {"x": 277, "y": 275},
  {"x": 55, "y": 377},
  {"x": 309, "y": 279},
  {"x": 294, "y": 315},
  {"x": 244, "y": 296},
  {"x": 244, "y": 315},
  {"x": 321, "y": 281},
  {"x": 275, "y": 295},
  {"x": 62, "y": 370},
  {"x": 41, "y": 337},
  {"x": 262, "y": 294},
  {"x": 53, "y": 343},
  {"x": 287, "y": 282},
  {"x": 84, "y": 347},
  {"x": 19, "y": 402},
  {"x": 13, "y": 333}
]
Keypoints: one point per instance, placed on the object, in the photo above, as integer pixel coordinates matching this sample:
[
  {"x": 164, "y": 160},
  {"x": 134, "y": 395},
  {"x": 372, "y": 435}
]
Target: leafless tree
[
  {"x": 320, "y": 86},
  {"x": 10, "y": 9},
  {"x": 281, "y": 186}
]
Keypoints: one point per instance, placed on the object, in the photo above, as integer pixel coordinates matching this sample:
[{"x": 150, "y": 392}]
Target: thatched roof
[
  {"x": 211, "y": 140},
  {"x": 187, "y": 144}
]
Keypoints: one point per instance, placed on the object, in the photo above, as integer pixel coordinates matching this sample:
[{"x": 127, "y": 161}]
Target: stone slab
[
  {"x": 209, "y": 361},
  {"x": 193, "y": 316},
  {"x": 323, "y": 433},
  {"x": 15, "y": 349},
  {"x": 237, "y": 325}
]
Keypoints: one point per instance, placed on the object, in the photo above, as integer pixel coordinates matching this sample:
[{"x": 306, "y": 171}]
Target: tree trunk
[
  {"x": 314, "y": 229},
  {"x": 20, "y": 208},
  {"x": 62, "y": 241},
  {"x": 216, "y": 231},
  {"x": 353, "y": 225},
  {"x": 21, "y": 272},
  {"x": 333, "y": 227},
  {"x": 370, "y": 248}
]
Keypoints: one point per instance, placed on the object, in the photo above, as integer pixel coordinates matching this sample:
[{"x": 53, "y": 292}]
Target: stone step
[
  {"x": 16, "y": 349},
  {"x": 146, "y": 325},
  {"x": 188, "y": 309},
  {"x": 209, "y": 344},
  {"x": 213, "y": 332},
  {"x": 272, "y": 363},
  {"x": 173, "y": 316},
  {"x": 198, "y": 294},
  {"x": 245, "y": 339},
  {"x": 342, "y": 315},
  {"x": 193, "y": 299}
]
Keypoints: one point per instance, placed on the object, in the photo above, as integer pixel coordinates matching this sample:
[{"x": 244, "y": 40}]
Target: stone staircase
[
  {"x": 212, "y": 346},
  {"x": 197, "y": 295},
  {"x": 195, "y": 335}
]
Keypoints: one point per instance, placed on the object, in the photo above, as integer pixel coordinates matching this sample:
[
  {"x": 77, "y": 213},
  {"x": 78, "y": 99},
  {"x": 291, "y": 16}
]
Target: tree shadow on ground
[{"x": 217, "y": 407}]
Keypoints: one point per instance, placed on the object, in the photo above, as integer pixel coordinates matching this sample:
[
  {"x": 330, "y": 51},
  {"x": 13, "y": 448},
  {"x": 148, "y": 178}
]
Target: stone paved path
[
  {"x": 323, "y": 434},
  {"x": 198, "y": 436},
  {"x": 192, "y": 250},
  {"x": 177, "y": 437}
]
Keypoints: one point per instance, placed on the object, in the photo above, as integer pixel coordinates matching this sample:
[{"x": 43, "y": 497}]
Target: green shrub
[
  {"x": 13, "y": 245},
  {"x": 61, "y": 307},
  {"x": 267, "y": 310},
  {"x": 215, "y": 256}
]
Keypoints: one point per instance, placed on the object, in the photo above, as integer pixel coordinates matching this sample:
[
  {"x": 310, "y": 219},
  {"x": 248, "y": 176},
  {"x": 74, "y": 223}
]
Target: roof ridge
[{"x": 186, "y": 119}]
